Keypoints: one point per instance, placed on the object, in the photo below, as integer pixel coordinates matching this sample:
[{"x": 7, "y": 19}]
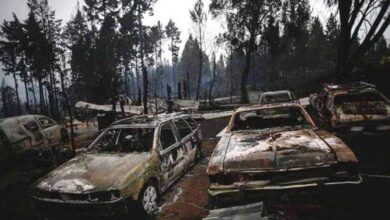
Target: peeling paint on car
[
  {"x": 269, "y": 158},
  {"x": 122, "y": 166}
]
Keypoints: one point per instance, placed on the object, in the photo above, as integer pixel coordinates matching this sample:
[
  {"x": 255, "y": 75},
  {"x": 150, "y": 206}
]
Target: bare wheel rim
[{"x": 149, "y": 199}]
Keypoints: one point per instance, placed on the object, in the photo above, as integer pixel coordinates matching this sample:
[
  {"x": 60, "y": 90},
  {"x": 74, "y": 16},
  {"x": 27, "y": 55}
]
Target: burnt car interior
[
  {"x": 270, "y": 118},
  {"x": 182, "y": 127},
  {"x": 363, "y": 97},
  {"x": 127, "y": 140},
  {"x": 46, "y": 122},
  {"x": 277, "y": 97},
  {"x": 167, "y": 137},
  {"x": 362, "y": 103}
]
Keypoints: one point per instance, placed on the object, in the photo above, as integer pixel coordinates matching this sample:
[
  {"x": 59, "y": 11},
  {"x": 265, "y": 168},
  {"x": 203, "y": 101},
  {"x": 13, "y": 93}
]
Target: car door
[
  {"x": 188, "y": 145},
  {"x": 33, "y": 131},
  {"x": 170, "y": 152},
  {"x": 50, "y": 129},
  {"x": 320, "y": 103},
  {"x": 197, "y": 134}
]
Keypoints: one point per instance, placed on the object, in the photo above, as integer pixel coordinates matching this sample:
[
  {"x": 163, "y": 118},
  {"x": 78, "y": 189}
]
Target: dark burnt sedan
[
  {"x": 277, "y": 147},
  {"x": 352, "y": 107}
]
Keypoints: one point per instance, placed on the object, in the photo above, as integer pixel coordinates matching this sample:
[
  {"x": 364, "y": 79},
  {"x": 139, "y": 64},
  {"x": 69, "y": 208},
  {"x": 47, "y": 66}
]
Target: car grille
[{"x": 62, "y": 196}]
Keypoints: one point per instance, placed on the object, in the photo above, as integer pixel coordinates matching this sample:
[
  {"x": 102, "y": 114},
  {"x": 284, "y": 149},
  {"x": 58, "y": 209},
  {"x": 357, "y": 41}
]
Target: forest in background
[{"x": 105, "y": 50}]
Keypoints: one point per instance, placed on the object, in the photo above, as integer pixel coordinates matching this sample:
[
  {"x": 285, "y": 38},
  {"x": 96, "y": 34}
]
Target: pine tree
[
  {"x": 173, "y": 35},
  {"x": 245, "y": 28},
  {"x": 10, "y": 52},
  {"x": 199, "y": 18},
  {"x": 78, "y": 41}
]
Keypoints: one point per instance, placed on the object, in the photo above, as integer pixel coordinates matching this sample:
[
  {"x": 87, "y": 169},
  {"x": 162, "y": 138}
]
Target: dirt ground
[{"x": 190, "y": 201}]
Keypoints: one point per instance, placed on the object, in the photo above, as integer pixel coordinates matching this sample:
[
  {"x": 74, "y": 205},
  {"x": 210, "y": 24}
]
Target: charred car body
[
  {"x": 29, "y": 131},
  {"x": 354, "y": 107},
  {"x": 277, "y": 147},
  {"x": 277, "y": 97},
  {"x": 129, "y": 164},
  {"x": 34, "y": 134}
]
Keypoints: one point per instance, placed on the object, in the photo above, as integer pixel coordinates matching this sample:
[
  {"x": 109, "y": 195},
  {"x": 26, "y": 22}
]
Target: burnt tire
[{"x": 148, "y": 198}]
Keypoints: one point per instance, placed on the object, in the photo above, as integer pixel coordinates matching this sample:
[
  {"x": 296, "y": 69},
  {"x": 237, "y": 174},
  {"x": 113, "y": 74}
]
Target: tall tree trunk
[
  {"x": 51, "y": 98},
  {"x": 179, "y": 90},
  {"x": 69, "y": 110},
  {"x": 231, "y": 75},
  {"x": 198, "y": 87},
  {"x": 244, "y": 77},
  {"x": 173, "y": 76},
  {"x": 344, "y": 46},
  {"x": 34, "y": 96},
  {"x": 212, "y": 81},
  {"x": 41, "y": 97},
  {"x": 185, "y": 88},
  {"x": 17, "y": 94},
  {"x": 145, "y": 84},
  {"x": 188, "y": 86},
  {"x": 28, "y": 107},
  {"x": 127, "y": 80},
  {"x": 5, "y": 104},
  {"x": 138, "y": 83}
]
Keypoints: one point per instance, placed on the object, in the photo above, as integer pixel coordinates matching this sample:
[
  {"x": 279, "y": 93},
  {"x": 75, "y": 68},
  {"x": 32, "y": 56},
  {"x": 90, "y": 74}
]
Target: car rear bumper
[
  {"x": 79, "y": 208},
  {"x": 378, "y": 126},
  {"x": 240, "y": 188}
]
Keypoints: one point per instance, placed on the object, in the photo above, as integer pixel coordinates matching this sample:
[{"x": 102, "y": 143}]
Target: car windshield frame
[
  {"x": 141, "y": 148},
  {"x": 307, "y": 122}
]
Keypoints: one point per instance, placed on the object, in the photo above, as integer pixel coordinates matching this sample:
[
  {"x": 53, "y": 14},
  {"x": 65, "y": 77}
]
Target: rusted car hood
[
  {"x": 93, "y": 172},
  {"x": 275, "y": 151}
]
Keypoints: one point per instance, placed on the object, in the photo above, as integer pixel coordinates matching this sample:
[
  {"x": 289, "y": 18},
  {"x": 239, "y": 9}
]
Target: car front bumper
[
  {"x": 80, "y": 208},
  {"x": 243, "y": 189},
  {"x": 360, "y": 126}
]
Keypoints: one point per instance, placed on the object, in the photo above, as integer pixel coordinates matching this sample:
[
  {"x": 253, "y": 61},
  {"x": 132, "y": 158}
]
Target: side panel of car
[
  {"x": 33, "y": 131},
  {"x": 171, "y": 153},
  {"x": 189, "y": 149},
  {"x": 50, "y": 129},
  {"x": 150, "y": 171}
]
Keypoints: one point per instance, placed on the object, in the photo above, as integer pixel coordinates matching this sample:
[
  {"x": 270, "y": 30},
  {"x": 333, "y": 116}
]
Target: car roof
[
  {"x": 356, "y": 86},
  {"x": 149, "y": 121},
  {"x": 273, "y": 105},
  {"x": 17, "y": 118}
]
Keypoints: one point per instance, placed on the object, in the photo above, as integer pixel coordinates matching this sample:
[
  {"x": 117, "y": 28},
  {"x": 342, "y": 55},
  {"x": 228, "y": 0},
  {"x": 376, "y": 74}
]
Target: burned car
[
  {"x": 29, "y": 131},
  {"x": 32, "y": 137},
  {"x": 354, "y": 107},
  {"x": 128, "y": 165},
  {"x": 277, "y": 97},
  {"x": 276, "y": 147}
]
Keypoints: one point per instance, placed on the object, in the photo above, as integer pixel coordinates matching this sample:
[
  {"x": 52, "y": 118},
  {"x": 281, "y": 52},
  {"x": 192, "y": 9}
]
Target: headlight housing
[{"x": 104, "y": 196}]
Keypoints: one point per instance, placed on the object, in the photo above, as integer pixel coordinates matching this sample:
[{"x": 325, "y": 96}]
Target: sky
[{"x": 177, "y": 10}]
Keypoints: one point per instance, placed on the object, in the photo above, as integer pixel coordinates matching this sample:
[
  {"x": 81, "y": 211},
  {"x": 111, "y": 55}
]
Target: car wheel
[{"x": 148, "y": 198}]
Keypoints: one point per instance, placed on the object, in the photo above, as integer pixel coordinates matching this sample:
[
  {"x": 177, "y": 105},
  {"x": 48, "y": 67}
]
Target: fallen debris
[{"x": 255, "y": 211}]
